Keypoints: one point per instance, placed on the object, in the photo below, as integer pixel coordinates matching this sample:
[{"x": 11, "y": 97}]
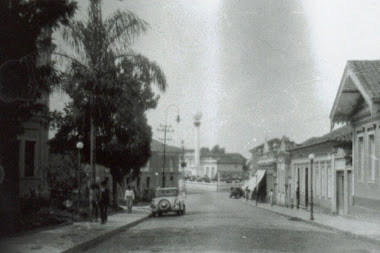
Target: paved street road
[{"x": 216, "y": 223}]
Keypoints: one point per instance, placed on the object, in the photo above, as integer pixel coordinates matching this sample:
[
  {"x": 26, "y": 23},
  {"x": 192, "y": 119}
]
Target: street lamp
[
  {"x": 311, "y": 158},
  {"x": 79, "y": 147},
  {"x": 165, "y": 129}
]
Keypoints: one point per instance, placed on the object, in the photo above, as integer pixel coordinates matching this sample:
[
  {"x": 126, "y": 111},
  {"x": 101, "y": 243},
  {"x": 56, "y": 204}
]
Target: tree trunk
[
  {"x": 115, "y": 201},
  {"x": 92, "y": 150}
]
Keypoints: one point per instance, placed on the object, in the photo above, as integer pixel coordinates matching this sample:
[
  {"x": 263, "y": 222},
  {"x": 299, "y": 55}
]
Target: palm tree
[{"x": 96, "y": 46}]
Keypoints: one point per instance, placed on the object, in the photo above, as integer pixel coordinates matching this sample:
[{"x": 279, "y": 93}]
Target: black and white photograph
[{"x": 189, "y": 126}]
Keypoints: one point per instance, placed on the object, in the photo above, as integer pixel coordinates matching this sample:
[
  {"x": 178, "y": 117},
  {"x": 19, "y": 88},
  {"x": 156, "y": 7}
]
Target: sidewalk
[
  {"x": 366, "y": 230},
  {"x": 75, "y": 237}
]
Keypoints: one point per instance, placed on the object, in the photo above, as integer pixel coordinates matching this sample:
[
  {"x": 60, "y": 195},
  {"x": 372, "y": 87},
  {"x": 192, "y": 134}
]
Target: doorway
[{"x": 340, "y": 192}]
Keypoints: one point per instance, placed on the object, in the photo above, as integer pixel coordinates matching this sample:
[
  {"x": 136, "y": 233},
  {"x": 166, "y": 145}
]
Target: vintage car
[
  {"x": 236, "y": 192},
  {"x": 167, "y": 200}
]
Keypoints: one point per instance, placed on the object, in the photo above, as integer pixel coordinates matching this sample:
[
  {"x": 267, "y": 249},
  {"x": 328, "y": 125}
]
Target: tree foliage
[
  {"x": 25, "y": 43},
  {"x": 218, "y": 150},
  {"x": 24, "y": 77}
]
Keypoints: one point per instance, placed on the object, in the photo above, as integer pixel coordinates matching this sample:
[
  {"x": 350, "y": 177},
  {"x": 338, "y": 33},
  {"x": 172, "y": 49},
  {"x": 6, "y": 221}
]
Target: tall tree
[
  {"x": 123, "y": 143},
  {"x": 96, "y": 47}
]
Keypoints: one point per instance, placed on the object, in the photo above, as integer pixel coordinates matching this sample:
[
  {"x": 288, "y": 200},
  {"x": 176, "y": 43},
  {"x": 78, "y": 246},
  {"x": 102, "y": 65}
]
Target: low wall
[{"x": 213, "y": 186}]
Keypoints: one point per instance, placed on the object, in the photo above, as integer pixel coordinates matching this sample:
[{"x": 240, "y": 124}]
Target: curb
[
  {"x": 98, "y": 239},
  {"x": 314, "y": 223}
]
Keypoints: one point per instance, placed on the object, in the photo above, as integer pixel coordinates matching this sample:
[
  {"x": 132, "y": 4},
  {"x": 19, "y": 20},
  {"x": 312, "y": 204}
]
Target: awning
[{"x": 255, "y": 180}]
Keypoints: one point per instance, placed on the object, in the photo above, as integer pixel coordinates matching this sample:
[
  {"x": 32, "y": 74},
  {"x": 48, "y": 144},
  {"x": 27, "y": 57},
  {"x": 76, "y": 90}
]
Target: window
[
  {"x": 371, "y": 157},
  {"x": 317, "y": 180},
  {"x": 323, "y": 179},
  {"x": 360, "y": 158},
  {"x": 29, "y": 158},
  {"x": 329, "y": 178},
  {"x": 171, "y": 165},
  {"x": 302, "y": 180}
]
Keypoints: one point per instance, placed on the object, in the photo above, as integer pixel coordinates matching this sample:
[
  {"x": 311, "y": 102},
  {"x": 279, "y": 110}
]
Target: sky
[{"x": 255, "y": 69}]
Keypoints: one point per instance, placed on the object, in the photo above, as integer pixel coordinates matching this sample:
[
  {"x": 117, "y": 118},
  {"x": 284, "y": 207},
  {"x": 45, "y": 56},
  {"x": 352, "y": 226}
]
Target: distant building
[
  {"x": 228, "y": 165},
  {"x": 357, "y": 103},
  {"x": 151, "y": 175},
  {"x": 273, "y": 157}
]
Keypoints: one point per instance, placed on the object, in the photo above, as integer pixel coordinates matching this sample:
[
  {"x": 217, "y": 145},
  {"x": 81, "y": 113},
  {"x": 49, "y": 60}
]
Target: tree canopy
[{"x": 25, "y": 45}]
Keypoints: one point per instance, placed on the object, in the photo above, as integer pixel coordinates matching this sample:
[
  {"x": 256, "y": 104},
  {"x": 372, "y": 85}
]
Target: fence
[{"x": 212, "y": 186}]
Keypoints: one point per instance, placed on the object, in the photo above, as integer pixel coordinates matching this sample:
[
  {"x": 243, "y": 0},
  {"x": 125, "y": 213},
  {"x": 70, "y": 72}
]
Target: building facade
[
  {"x": 357, "y": 103},
  {"x": 330, "y": 176},
  {"x": 273, "y": 157}
]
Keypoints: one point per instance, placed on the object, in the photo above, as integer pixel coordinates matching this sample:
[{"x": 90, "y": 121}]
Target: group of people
[{"x": 100, "y": 199}]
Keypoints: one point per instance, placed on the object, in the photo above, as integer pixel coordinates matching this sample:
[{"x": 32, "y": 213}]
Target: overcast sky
[{"x": 256, "y": 69}]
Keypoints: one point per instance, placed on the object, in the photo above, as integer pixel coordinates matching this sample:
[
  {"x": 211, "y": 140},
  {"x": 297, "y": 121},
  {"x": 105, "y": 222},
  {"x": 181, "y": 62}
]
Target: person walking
[
  {"x": 247, "y": 191},
  {"x": 271, "y": 197},
  {"x": 104, "y": 201},
  {"x": 129, "y": 197},
  {"x": 95, "y": 198}
]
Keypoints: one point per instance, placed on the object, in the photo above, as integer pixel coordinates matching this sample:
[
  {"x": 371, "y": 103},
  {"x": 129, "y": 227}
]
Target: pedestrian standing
[
  {"x": 129, "y": 197},
  {"x": 104, "y": 201},
  {"x": 247, "y": 191},
  {"x": 95, "y": 198},
  {"x": 271, "y": 197}
]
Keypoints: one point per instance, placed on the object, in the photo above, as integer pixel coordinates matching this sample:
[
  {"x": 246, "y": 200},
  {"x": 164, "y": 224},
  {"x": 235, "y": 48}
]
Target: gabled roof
[
  {"x": 157, "y": 146},
  {"x": 360, "y": 80},
  {"x": 255, "y": 149},
  {"x": 231, "y": 158},
  {"x": 342, "y": 134}
]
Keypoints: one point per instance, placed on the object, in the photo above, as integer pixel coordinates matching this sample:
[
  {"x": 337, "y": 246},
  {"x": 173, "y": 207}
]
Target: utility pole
[{"x": 165, "y": 128}]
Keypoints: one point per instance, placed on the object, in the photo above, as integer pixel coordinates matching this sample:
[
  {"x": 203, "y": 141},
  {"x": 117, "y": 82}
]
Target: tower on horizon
[{"x": 197, "y": 123}]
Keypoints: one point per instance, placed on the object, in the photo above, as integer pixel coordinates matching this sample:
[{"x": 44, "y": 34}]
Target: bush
[
  {"x": 206, "y": 179},
  {"x": 62, "y": 177}
]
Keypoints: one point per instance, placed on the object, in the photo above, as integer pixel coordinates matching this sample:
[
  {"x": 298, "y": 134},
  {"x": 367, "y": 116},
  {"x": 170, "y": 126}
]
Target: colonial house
[
  {"x": 330, "y": 175},
  {"x": 22, "y": 156},
  {"x": 153, "y": 173},
  {"x": 357, "y": 103}
]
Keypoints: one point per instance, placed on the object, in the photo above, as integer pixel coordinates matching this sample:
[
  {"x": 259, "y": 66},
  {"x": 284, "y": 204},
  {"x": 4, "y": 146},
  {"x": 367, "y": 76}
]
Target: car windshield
[{"x": 166, "y": 192}]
